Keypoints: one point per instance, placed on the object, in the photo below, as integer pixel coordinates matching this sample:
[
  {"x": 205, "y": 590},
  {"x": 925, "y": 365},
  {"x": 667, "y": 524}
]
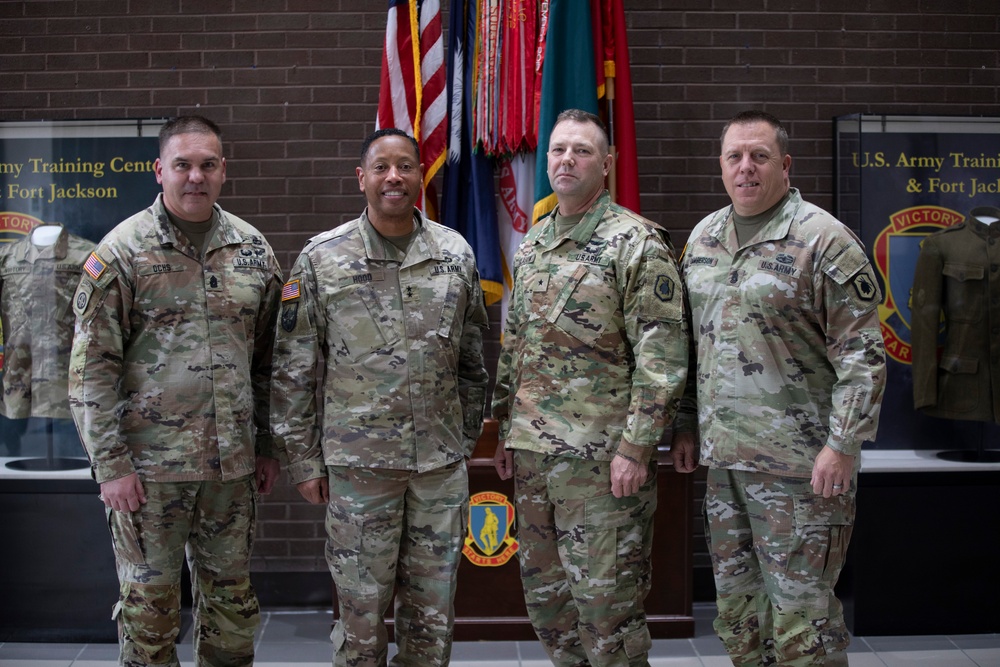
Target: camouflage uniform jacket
[
  {"x": 379, "y": 355},
  {"x": 595, "y": 349},
  {"x": 172, "y": 354},
  {"x": 788, "y": 347},
  {"x": 36, "y": 295}
]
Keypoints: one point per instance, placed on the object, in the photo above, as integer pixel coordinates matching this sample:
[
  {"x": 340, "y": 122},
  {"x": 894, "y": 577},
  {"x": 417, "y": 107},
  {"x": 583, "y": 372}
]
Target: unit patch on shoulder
[
  {"x": 664, "y": 288},
  {"x": 94, "y": 266},
  {"x": 864, "y": 286},
  {"x": 290, "y": 290}
]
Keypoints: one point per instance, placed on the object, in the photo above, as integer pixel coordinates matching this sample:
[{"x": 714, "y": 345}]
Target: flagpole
[{"x": 609, "y": 88}]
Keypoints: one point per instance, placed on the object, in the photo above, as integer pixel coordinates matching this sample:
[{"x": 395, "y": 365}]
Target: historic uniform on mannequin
[
  {"x": 38, "y": 278},
  {"x": 957, "y": 278}
]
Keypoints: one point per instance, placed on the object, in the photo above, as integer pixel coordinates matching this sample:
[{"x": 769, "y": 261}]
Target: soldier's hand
[
  {"x": 683, "y": 452},
  {"x": 503, "y": 461},
  {"x": 832, "y": 472},
  {"x": 626, "y": 476},
  {"x": 124, "y": 494},
  {"x": 266, "y": 472},
  {"x": 316, "y": 491}
]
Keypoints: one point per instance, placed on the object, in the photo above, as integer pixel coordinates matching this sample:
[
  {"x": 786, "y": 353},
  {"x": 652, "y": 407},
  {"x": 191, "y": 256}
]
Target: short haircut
[
  {"x": 754, "y": 116},
  {"x": 581, "y": 116},
  {"x": 386, "y": 132},
  {"x": 188, "y": 125}
]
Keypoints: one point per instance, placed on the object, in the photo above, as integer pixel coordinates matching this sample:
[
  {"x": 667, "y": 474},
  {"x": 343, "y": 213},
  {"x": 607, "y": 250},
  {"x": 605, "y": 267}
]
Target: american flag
[
  {"x": 290, "y": 290},
  {"x": 94, "y": 266},
  {"x": 412, "y": 96}
]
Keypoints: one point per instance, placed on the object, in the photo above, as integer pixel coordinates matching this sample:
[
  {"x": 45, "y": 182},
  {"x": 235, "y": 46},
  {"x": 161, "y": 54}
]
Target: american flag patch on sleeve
[
  {"x": 94, "y": 266},
  {"x": 290, "y": 290}
]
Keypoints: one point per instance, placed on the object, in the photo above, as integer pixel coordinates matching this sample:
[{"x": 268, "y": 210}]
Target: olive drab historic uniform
[
  {"x": 169, "y": 378},
  {"x": 379, "y": 383},
  {"x": 37, "y": 285},
  {"x": 789, "y": 359},
  {"x": 958, "y": 278},
  {"x": 593, "y": 363}
]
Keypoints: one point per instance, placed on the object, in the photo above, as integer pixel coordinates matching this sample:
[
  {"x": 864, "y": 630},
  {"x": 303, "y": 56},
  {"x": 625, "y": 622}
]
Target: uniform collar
[
  {"x": 225, "y": 234},
  {"x": 422, "y": 246},
  {"x": 981, "y": 229},
  {"x": 29, "y": 252},
  {"x": 581, "y": 232},
  {"x": 723, "y": 227}
]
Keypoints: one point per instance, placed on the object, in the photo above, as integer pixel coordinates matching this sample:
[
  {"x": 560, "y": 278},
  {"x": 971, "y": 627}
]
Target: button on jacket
[
  {"x": 788, "y": 342},
  {"x": 172, "y": 354},
  {"x": 388, "y": 341},
  {"x": 37, "y": 285},
  {"x": 958, "y": 277}
]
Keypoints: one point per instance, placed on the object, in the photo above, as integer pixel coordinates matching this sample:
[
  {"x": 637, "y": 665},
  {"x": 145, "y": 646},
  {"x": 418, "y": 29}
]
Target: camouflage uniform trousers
[
  {"x": 585, "y": 559},
  {"x": 215, "y": 521},
  {"x": 402, "y": 529},
  {"x": 777, "y": 550}
]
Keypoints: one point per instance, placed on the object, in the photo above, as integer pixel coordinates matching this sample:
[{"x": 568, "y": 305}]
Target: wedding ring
[{"x": 838, "y": 486}]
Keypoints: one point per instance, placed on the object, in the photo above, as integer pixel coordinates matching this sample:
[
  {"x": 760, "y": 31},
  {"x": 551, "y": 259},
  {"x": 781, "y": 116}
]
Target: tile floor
[{"x": 301, "y": 638}]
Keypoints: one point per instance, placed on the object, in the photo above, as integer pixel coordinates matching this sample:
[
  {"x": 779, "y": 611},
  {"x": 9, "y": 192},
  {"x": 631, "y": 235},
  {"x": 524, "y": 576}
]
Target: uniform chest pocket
[
  {"x": 584, "y": 305},
  {"x": 963, "y": 291},
  {"x": 455, "y": 295},
  {"x": 359, "y": 325}
]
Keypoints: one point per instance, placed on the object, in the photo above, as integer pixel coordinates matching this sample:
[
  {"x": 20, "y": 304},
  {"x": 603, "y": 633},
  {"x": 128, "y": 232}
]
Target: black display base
[
  {"x": 42, "y": 465},
  {"x": 971, "y": 455}
]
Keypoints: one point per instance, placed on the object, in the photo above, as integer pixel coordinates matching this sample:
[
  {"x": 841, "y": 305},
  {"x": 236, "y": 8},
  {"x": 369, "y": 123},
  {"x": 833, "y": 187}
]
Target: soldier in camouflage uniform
[
  {"x": 379, "y": 390},
  {"x": 169, "y": 389},
  {"x": 594, "y": 360},
  {"x": 37, "y": 284},
  {"x": 786, "y": 384}
]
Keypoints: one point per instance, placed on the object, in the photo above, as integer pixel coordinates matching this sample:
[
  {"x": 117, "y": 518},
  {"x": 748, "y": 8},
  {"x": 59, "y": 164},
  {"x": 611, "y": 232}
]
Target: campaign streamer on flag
[
  {"x": 517, "y": 175},
  {"x": 469, "y": 203},
  {"x": 569, "y": 81},
  {"x": 412, "y": 92}
]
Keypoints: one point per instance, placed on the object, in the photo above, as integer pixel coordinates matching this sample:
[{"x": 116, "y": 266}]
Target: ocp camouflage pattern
[
  {"x": 595, "y": 349},
  {"x": 788, "y": 344},
  {"x": 389, "y": 341},
  {"x": 37, "y": 285},
  {"x": 171, "y": 359}
]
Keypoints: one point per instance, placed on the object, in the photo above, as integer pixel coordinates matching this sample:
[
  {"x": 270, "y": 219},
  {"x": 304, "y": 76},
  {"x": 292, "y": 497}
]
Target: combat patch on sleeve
[
  {"x": 289, "y": 316},
  {"x": 84, "y": 301}
]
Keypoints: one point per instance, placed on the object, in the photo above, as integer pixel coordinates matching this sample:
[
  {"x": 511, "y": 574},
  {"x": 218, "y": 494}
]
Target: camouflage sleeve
[
  {"x": 653, "y": 307},
  {"x": 504, "y": 389},
  {"x": 472, "y": 375},
  {"x": 102, "y": 304},
  {"x": 854, "y": 346},
  {"x": 295, "y": 375},
  {"x": 686, "y": 419},
  {"x": 263, "y": 352}
]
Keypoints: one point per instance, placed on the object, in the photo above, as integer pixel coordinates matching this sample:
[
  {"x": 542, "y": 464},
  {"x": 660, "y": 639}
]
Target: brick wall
[{"x": 294, "y": 84}]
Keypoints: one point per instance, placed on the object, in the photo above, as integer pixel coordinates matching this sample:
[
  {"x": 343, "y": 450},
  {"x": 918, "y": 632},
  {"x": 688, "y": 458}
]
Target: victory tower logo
[
  {"x": 488, "y": 542},
  {"x": 895, "y": 251}
]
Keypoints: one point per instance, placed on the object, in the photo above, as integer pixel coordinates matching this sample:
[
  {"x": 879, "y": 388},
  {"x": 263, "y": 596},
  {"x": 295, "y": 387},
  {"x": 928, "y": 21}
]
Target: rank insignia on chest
[
  {"x": 664, "y": 288},
  {"x": 94, "y": 266}
]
